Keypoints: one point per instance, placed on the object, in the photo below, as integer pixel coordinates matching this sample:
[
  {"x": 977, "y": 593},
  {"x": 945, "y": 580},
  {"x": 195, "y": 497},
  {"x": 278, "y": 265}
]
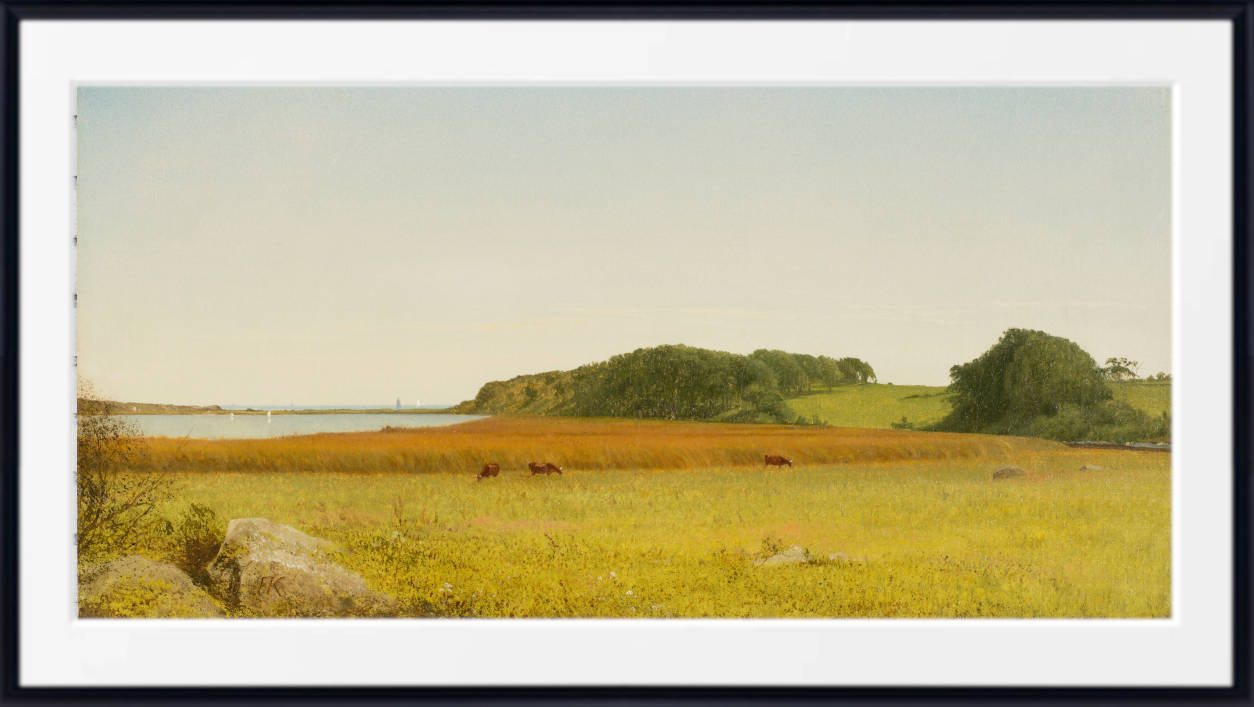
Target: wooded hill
[{"x": 673, "y": 383}]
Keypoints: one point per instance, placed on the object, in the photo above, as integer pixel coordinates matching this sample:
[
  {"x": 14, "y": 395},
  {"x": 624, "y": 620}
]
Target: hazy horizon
[{"x": 351, "y": 245}]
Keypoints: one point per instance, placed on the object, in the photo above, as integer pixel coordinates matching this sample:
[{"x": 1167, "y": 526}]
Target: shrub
[
  {"x": 116, "y": 505},
  {"x": 1110, "y": 421},
  {"x": 197, "y": 536}
]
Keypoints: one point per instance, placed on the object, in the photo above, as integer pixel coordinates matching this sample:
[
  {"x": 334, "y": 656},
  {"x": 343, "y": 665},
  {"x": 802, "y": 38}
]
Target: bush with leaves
[
  {"x": 116, "y": 506},
  {"x": 197, "y": 537},
  {"x": 1110, "y": 421}
]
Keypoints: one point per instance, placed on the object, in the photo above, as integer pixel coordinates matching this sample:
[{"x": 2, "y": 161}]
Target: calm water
[{"x": 241, "y": 426}]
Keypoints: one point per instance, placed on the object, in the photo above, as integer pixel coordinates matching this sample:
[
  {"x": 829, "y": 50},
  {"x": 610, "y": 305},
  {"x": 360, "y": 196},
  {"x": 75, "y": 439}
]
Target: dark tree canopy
[
  {"x": 855, "y": 369},
  {"x": 1026, "y": 374},
  {"x": 673, "y": 382}
]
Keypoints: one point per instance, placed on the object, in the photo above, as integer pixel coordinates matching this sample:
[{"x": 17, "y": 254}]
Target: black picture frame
[{"x": 1239, "y": 13}]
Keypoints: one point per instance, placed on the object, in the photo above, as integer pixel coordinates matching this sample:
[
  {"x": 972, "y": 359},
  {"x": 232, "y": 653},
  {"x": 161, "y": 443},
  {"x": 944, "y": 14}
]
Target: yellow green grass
[
  {"x": 881, "y": 405},
  {"x": 926, "y": 531},
  {"x": 936, "y": 538},
  {"x": 874, "y": 405},
  {"x": 1151, "y": 396}
]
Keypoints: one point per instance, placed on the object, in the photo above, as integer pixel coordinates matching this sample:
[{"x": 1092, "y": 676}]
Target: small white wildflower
[
  {"x": 613, "y": 576},
  {"x": 396, "y": 533},
  {"x": 654, "y": 607},
  {"x": 628, "y": 592},
  {"x": 447, "y": 585}
]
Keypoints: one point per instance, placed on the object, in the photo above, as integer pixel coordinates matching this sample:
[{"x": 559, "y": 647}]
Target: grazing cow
[
  {"x": 545, "y": 468},
  {"x": 489, "y": 469},
  {"x": 777, "y": 460}
]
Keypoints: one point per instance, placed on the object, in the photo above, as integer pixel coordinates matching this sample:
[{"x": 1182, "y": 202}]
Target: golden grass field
[
  {"x": 576, "y": 443},
  {"x": 658, "y": 519}
]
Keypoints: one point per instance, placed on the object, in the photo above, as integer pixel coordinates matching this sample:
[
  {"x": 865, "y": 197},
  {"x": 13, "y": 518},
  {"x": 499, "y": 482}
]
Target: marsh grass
[{"x": 582, "y": 444}]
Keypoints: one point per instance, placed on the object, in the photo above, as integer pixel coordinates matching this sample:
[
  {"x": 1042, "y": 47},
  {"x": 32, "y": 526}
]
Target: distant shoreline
[{"x": 131, "y": 408}]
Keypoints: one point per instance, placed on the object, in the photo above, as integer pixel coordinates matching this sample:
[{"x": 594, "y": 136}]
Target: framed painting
[{"x": 442, "y": 352}]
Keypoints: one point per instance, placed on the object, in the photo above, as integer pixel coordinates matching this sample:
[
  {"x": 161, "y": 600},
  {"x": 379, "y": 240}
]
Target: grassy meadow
[
  {"x": 658, "y": 519},
  {"x": 882, "y": 405},
  {"x": 1154, "y": 397},
  {"x": 874, "y": 405}
]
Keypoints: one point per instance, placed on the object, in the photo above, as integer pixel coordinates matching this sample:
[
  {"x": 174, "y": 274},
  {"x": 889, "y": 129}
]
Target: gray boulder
[
  {"x": 840, "y": 557},
  {"x": 1009, "y": 472},
  {"x": 795, "y": 555},
  {"x": 267, "y": 569},
  {"x": 137, "y": 587}
]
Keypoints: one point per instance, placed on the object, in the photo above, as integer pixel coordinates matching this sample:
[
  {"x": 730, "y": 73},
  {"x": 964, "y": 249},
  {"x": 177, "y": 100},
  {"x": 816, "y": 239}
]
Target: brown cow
[
  {"x": 777, "y": 460},
  {"x": 489, "y": 469},
  {"x": 545, "y": 468}
]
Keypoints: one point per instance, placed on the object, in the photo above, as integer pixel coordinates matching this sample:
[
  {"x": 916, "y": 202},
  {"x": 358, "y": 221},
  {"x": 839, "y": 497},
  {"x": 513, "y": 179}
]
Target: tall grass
[
  {"x": 572, "y": 443},
  {"x": 923, "y": 537}
]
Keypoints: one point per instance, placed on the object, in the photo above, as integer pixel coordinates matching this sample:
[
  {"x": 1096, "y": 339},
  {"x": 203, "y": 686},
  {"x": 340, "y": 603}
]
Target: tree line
[{"x": 674, "y": 382}]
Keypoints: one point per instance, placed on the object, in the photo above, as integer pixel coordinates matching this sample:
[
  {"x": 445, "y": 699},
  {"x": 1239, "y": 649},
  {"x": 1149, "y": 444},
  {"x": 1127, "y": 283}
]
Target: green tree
[
  {"x": 829, "y": 372},
  {"x": 855, "y": 370},
  {"x": 1120, "y": 369},
  {"x": 1026, "y": 374},
  {"x": 788, "y": 372}
]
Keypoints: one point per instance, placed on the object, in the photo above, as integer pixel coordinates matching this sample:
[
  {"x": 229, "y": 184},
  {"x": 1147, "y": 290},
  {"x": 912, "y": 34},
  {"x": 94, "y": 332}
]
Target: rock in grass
[
  {"x": 794, "y": 555},
  {"x": 136, "y": 587},
  {"x": 1090, "y": 467},
  {"x": 1009, "y": 472},
  {"x": 842, "y": 558},
  {"x": 267, "y": 569}
]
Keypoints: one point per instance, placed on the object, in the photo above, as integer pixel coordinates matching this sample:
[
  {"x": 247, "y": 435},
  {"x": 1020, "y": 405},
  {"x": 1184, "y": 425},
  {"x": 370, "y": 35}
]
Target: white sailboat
[{"x": 267, "y": 415}]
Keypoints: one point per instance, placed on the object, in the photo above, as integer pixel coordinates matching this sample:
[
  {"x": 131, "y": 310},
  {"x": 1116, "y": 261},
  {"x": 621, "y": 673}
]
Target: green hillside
[
  {"x": 1154, "y": 397},
  {"x": 881, "y": 405},
  {"x": 873, "y": 405}
]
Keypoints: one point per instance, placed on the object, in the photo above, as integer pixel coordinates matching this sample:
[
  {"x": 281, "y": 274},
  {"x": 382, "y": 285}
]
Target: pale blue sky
[{"x": 331, "y": 245}]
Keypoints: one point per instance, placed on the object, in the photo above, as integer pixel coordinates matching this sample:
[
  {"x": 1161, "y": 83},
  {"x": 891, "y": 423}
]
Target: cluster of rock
[
  {"x": 1010, "y": 472},
  {"x": 1015, "y": 472},
  {"x": 262, "y": 569},
  {"x": 797, "y": 555},
  {"x": 135, "y": 586}
]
